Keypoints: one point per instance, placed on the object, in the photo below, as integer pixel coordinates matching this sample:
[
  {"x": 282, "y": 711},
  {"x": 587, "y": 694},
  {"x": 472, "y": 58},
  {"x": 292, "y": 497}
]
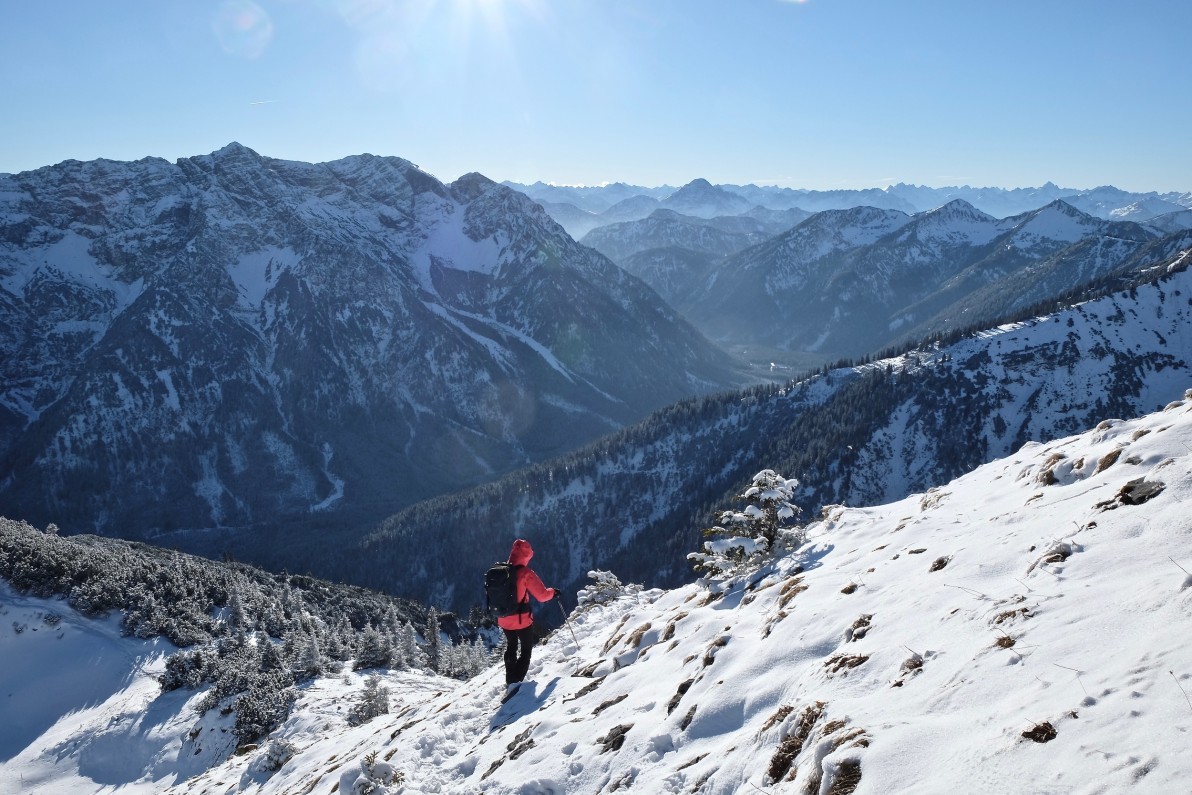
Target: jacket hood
[{"x": 521, "y": 553}]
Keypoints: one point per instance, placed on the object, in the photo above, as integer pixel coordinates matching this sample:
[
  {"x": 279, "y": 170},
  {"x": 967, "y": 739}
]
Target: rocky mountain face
[
  {"x": 233, "y": 341},
  {"x": 847, "y": 283},
  {"x": 635, "y": 501},
  {"x": 666, "y": 228}
]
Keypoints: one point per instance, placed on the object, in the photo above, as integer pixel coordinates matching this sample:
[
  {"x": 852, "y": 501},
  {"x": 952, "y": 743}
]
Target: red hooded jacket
[{"x": 527, "y": 583}]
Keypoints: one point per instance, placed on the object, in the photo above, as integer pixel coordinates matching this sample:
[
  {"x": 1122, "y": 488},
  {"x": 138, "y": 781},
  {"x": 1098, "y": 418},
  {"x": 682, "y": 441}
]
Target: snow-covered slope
[
  {"x": 1171, "y": 222},
  {"x": 82, "y": 707},
  {"x": 1020, "y": 629}
]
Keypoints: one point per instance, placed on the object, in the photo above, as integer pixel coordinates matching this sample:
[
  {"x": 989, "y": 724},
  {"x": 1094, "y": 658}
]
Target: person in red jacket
[{"x": 519, "y": 627}]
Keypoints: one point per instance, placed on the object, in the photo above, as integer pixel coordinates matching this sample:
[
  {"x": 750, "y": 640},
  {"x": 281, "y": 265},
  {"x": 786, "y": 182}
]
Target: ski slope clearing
[{"x": 1021, "y": 629}]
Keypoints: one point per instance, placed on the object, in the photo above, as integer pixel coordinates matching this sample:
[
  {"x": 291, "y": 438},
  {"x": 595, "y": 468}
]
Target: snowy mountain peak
[
  {"x": 471, "y": 186},
  {"x": 1057, "y": 222},
  {"x": 960, "y": 209},
  {"x": 234, "y": 155},
  {"x": 703, "y": 199},
  {"x": 234, "y": 149},
  {"x": 695, "y": 186}
]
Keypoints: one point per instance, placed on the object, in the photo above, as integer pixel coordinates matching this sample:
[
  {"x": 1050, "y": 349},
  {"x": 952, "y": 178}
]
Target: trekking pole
[{"x": 565, "y": 621}]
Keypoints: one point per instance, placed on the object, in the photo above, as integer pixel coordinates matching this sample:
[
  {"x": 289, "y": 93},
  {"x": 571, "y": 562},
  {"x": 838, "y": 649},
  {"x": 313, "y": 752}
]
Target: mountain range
[
  {"x": 234, "y": 341},
  {"x": 848, "y": 282},
  {"x": 309, "y": 365},
  {"x": 356, "y": 371},
  {"x": 582, "y": 209}
]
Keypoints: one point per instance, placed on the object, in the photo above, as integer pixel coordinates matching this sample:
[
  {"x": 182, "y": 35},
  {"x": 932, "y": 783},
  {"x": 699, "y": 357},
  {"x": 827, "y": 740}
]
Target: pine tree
[
  {"x": 373, "y": 701},
  {"x": 411, "y": 653},
  {"x": 767, "y": 519},
  {"x": 434, "y": 649},
  {"x": 310, "y": 661},
  {"x": 237, "y": 619},
  {"x": 374, "y": 651}
]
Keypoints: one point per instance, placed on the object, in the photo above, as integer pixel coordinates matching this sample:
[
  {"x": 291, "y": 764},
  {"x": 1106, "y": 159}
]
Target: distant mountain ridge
[
  {"x": 851, "y": 282},
  {"x": 233, "y": 340},
  {"x": 1104, "y": 202}
]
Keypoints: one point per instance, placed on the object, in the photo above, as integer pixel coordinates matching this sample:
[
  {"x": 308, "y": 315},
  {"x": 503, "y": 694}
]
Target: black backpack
[{"x": 500, "y": 591}]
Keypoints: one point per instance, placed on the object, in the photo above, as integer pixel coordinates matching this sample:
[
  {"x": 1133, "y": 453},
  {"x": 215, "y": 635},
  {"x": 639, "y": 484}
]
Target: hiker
[{"x": 519, "y": 627}]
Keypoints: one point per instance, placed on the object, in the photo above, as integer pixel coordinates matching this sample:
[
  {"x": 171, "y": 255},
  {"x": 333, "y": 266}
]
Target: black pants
[{"x": 518, "y": 645}]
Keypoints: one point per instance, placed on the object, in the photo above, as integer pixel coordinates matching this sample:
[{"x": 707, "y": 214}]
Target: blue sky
[{"x": 815, "y": 94}]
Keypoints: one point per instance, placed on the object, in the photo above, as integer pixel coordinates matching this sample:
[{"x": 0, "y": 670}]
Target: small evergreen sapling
[
  {"x": 373, "y": 701},
  {"x": 605, "y": 587},
  {"x": 765, "y": 524}
]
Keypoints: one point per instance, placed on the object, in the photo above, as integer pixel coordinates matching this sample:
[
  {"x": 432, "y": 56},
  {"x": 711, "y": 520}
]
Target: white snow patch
[
  {"x": 337, "y": 483},
  {"x": 171, "y": 393},
  {"x": 255, "y": 272}
]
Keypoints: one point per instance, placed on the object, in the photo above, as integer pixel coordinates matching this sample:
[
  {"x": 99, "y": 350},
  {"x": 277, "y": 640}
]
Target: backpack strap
[{"x": 523, "y": 604}]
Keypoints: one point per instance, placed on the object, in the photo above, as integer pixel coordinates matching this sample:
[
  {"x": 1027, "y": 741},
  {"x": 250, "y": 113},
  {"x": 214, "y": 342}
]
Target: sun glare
[{"x": 398, "y": 39}]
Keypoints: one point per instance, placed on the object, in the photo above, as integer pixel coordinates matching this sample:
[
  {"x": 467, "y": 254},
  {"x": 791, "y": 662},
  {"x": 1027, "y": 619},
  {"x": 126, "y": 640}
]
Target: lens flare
[{"x": 243, "y": 28}]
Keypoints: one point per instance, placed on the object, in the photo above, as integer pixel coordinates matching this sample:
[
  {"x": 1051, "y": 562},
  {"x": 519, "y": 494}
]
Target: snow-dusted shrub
[
  {"x": 766, "y": 524},
  {"x": 375, "y": 776},
  {"x": 373, "y": 701},
  {"x": 263, "y": 707},
  {"x": 185, "y": 668},
  {"x": 276, "y": 754},
  {"x": 605, "y": 587},
  {"x": 464, "y": 660}
]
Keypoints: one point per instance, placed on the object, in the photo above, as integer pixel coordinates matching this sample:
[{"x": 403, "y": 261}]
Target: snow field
[{"x": 919, "y": 646}]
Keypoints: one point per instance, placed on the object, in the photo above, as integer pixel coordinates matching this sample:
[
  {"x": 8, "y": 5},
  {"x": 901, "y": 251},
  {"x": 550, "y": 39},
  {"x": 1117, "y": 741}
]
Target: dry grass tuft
[
  {"x": 778, "y": 717},
  {"x": 710, "y": 654},
  {"x": 845, "y": 662},
  {"x": 860, "y": 627},
  {"x": 847, "y": 778},
  {"x": 1047, "y": 475},
  {"x": 636, "y": 638},
  {"x": 611, "y": 702},
  {"x": 790, "y": 745},
  {"x": 793, "y": 588},
  {"x": 770, "y": 624}
]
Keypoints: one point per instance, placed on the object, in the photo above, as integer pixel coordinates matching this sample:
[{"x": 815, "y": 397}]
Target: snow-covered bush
[
  {"x": 373, "y": 701},
  {"x": 376, "y": 650},
  {"x": 263, "y": 707},
  {"x": 375, "y": 776},
  {"x": 464, "y": 660},
  {"x": 766, "y": 525},
  {"x": 276, "y": 754},
  {"x": 605, "y": 587}
]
